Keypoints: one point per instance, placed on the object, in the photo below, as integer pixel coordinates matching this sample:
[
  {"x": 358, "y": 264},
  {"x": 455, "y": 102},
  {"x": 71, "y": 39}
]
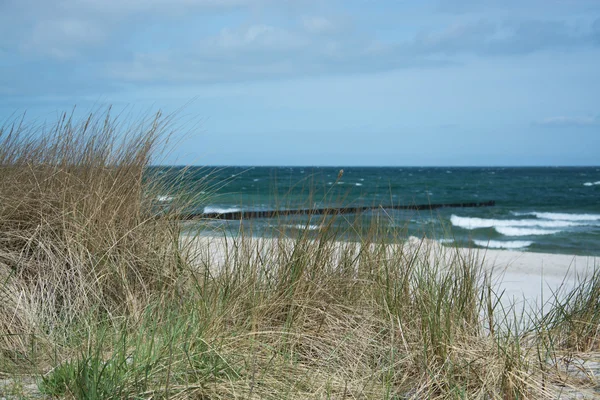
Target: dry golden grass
[
  {"x": 102, "y": 298},
  {"x": 77, "y": 235}
]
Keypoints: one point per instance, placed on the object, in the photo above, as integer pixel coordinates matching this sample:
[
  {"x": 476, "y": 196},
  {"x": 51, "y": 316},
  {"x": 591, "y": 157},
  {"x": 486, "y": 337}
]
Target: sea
[{"x": 537, "y": 209}]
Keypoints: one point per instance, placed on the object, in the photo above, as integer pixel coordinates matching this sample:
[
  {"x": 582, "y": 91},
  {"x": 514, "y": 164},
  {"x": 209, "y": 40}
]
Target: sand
[
  {"x": 527, "y": 278},
  {"x": 521, "y": 277},
  {"x": 534, "y": 278}
]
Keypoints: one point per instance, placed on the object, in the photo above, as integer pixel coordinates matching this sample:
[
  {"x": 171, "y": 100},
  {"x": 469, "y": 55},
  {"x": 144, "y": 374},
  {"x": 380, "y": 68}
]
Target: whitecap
[
  {"x": 514, "y": 231},
  {"x": 304, "y": 227},
  {"x": 591, "y": 183},
  {"x": 477, "y": 223},
  {"x": 358, "y": 184},
  {"x": 220, "y": 210},
  {"x": 496, "y": 244},
  {"x": 563, "y": 216}
]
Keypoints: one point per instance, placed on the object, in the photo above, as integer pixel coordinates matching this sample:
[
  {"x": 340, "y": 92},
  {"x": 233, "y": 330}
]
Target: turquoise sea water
[{"x": 537, "y": 209}]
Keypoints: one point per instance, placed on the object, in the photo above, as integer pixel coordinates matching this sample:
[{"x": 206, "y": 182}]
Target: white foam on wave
[
  {"x": 514, "y": 231},
  {"x": 220, "y": 210},
  {"x": 591, "y": 183},
  {"x": 476, "y": 223},
  {"x": 563, "y": 216},
  {"x": 496, "y": 244},
  {"x": 358, "y": 184},
  {"x": 304, "y": 227}
]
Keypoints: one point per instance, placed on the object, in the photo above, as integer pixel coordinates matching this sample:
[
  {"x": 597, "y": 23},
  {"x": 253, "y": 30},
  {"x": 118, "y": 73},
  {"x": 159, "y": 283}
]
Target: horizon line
[{"x": 371, "y": 166}]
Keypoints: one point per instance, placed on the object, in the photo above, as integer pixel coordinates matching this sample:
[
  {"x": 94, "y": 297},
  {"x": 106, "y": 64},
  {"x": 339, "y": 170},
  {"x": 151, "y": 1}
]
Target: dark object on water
[{"x": 238, "y": 215}]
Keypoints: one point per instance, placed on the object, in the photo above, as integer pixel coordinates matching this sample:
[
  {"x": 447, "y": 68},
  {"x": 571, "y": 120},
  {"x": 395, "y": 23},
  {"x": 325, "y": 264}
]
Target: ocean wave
[
  {"x": 358, "y": 184},
  {"x": 496, "y": 244},
  {"x": 514, "y": 231},
  {"x": 591, "y": 183},
  {"x": 477, "y": 223},
  {"x": 563, "y": 216},
  {"x": 220, "y": 210},
  {"x": 304, "y": 227}
]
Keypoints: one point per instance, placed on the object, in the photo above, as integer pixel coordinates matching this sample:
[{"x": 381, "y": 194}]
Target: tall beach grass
[{"x": 103, "y": 297}]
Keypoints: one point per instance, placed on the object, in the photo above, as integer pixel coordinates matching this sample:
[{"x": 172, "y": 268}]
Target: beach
[
  {"x": 535, "y": 276},
  {"x": 519, "y": 277}
]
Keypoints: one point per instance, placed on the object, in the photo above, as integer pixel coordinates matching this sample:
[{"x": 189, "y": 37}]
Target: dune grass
[{"x": 102, "y": 297}]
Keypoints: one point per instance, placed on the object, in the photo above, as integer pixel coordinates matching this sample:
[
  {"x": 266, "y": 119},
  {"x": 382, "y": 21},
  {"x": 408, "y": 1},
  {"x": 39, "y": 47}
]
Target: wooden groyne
[{"x": 239, "y": 215}]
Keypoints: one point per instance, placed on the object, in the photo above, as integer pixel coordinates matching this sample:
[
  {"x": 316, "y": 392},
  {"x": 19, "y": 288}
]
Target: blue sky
[{"x": 321, "y": 82}]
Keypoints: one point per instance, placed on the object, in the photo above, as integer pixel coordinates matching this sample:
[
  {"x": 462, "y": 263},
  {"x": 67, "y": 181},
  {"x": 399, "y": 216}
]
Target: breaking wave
[
  {"x": 220, "y": 210},
  {"x": 304, "y": 227},
  {"x": 514, "y": 231},
  {"x": 477, "y": 223},
  {"x": 496, "y": 244},
  {"x": 563, "y": 216}
]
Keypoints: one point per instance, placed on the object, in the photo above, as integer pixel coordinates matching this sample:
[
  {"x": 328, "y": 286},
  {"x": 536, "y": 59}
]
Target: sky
[{"x": 320, "y": 82}]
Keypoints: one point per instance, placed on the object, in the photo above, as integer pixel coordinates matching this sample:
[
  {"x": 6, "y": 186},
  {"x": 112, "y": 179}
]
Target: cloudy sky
[{"x": 321, "y": 82}]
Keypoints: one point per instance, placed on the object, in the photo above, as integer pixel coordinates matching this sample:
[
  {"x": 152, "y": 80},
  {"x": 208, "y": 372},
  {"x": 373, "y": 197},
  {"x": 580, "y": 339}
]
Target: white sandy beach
[
  {"x": 534, "y": 278},
  {"x": 519, "y": 276}
]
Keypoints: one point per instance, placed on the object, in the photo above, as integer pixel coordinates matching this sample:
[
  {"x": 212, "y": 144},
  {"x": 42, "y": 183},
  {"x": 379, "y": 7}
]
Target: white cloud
[
  {"x": 145, "y": 40},
  {"x": 61, "y": 29},
  {"x": 62, "y": 38},
  {"x": 263, "y": 51},
  {"x": 318, "y": 25},
  {"x": 255, "y": 37}
]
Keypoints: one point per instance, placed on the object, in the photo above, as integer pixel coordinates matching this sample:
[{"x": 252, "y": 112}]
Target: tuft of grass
[
  {"x": 574, "y": 319},
  {"x": 78, "y": 234}
]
